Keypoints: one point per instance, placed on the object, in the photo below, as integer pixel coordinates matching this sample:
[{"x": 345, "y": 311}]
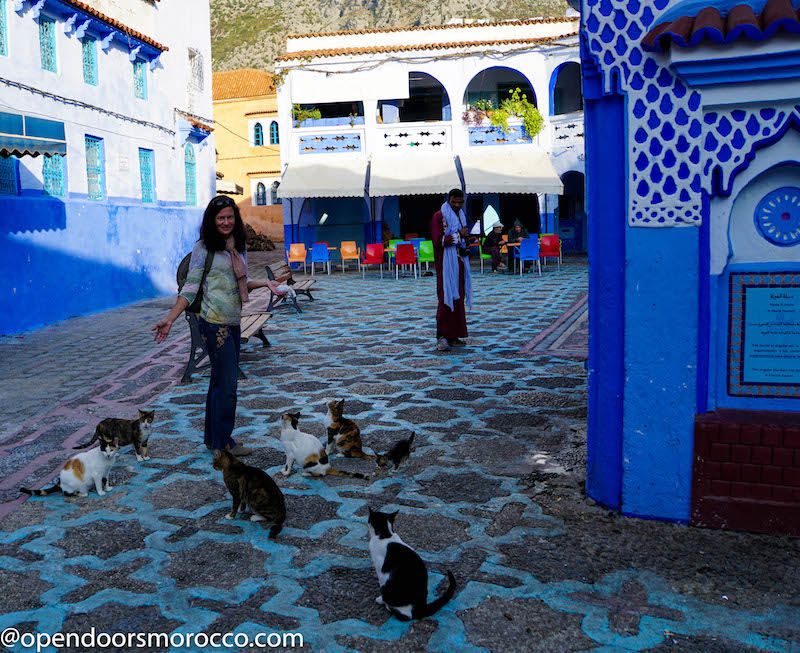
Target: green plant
[
  {"x": 300, "y": 113},
  {"x": 475, "y": 113},
  {"x": 518, "y": 105},
  {"x": 353, "y": 117}
]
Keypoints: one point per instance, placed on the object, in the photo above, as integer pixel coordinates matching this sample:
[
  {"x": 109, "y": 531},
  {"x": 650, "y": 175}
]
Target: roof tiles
[
  {"x": 709, "y": 23},
  {"x": 241, "y": 83},
  {"x": 115, "y": 23}
]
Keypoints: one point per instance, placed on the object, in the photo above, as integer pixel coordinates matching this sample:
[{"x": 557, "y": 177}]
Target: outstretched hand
[{"x": 162, "y": 330}]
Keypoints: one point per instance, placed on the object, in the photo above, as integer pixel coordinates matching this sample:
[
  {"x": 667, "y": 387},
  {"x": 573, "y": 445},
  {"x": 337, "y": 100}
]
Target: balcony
[
  {"x": 329, "y": 140},
  {"x": 414, "y": 137},
  {"x": 567, "y": 131}
]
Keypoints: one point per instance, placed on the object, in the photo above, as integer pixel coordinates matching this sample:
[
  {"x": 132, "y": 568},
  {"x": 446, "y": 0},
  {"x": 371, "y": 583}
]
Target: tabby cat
[
  {"x": 125, "y": 431},
  {"x": 344, "y": 435},
  {"x": 306, "y": 450},
  {"x": 401, "y": 572},
  {"x": 399, "y": 453},
  {"x": 83, "y": 470},
  {"x": 250, "y": 486}
]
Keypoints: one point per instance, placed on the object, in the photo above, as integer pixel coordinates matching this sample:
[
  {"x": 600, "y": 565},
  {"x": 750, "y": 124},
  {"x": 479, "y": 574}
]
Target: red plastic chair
[
  {"x": 405, "y": 255},
  {"x": 550, "y": 245},
  {"x": 372, "y": 256}
]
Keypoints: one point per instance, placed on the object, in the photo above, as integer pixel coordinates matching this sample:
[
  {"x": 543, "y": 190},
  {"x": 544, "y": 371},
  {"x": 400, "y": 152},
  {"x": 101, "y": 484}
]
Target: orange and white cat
[{"x": 84, "y": 470}]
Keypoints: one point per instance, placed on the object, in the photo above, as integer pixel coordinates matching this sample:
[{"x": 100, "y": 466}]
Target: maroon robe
[{"x": 449, "y": 324}]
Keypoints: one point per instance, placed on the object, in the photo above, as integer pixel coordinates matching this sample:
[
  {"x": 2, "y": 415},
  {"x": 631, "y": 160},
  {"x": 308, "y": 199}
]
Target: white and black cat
[
  {"x": 84, "y": 470},
  {"x": 125, "y": 431},
  {"x": 401, "y": 572}
]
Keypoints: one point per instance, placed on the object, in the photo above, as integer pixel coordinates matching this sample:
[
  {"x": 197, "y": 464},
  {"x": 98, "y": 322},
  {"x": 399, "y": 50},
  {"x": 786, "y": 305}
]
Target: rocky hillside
[{"x": 251, "y": 33}]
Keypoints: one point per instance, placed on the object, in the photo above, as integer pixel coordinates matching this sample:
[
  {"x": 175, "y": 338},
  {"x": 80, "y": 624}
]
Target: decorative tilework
[
  {"x": 89, "y": 50},
  {"x": 47, "y": 43},
  {"x": 95, "y": 167},
  {"x": 190, "y": 171},
  {"x": 146, "y": 173},
  {"x": 8, "y": 175},
  {"x": 329, "y": 143},
  {"x": 53, "y": 174},
  {"x": 482, "y": 136}
]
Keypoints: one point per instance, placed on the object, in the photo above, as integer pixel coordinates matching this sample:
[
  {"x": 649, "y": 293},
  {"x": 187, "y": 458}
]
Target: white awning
[
  {"x": 229, "y": 187},
  {"x": 334, "y": 177},
  {"x": 422, "y": 174},
  {"x": 514, "y": 171}
]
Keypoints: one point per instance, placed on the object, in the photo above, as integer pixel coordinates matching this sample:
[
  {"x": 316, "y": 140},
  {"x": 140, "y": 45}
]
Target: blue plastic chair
[
  {"x": 529, "y": 251},
  {"x": 415, "y": 242},
  {"x": 320, "y": 254}
]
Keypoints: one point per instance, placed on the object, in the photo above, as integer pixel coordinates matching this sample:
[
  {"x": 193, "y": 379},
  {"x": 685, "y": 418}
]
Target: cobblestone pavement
[{"x": 492, "y": 492}]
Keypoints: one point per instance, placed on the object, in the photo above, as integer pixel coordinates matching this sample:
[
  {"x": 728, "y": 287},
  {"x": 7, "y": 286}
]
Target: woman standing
[{"x": 225, "y": 289}]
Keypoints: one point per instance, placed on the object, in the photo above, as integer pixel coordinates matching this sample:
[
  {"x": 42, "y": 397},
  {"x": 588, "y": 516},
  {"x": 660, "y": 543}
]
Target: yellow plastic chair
[
  {"x": 297, "y": 254},
  {"x": 349, "y": 251}
]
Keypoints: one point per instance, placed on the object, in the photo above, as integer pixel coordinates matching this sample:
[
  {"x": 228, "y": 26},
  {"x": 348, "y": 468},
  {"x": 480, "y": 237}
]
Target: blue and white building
[
  {"x": 107, "y": 153},
  {"x": 395, "y": 131},
  {"x": 692, "y": 114}
]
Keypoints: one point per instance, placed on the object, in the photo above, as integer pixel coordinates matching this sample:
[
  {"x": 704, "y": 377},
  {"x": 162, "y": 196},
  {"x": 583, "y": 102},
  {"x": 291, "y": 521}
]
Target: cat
[
  {"x": 344, "y": 435},
  {"x": 306, "y": 450},
  {"x": 401, "y": 572},
  {"x": 125, "y": 431},
  {"x": 83, "y": 470},
  {"x": 250, "y": 486},
  {"x": 398, "y": 454}
]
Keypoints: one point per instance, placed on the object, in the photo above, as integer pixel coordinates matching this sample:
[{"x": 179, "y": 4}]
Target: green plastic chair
[
  {"x": 426, "y": 252},
  {"x": 393, "y": 245},
  {"x": 483, "y": 257}
]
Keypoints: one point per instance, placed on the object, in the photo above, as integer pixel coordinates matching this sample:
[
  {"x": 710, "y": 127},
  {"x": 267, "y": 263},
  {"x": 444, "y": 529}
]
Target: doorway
[
  {"x": 522, "y": 206},
  {"x": 416, "y": 212}
]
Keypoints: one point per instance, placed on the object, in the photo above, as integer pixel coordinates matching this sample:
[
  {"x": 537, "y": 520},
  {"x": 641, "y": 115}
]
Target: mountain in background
[{"x": 251, "y": 33}]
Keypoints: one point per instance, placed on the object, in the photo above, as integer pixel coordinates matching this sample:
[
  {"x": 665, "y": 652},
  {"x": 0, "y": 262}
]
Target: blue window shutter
[
  {"x": 53, "y": 174},
  {"x": 140, "y": 79},
  {"x": 147, "y": 174},
  {"x": 89, "y": 47},
  {"x": 3, "y": 29},
  {"x": 273, "y": 195},
  {"x": 274, "y": 138},
  {"x": 47, "y": 43},
  {"x": 190, "y": 169},
  {"x": 258, "y": 134},
  {"x": 95, "y": 168},
  {"x": 8, "y": 176},
  {"x": 261, "y": 194}
]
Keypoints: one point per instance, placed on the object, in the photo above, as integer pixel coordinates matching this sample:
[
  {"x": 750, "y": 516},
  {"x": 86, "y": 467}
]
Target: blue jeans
[{"x": 222, "y": 343}]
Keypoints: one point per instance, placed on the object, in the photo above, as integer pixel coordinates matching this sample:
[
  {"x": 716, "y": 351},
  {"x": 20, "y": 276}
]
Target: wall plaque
[{"x": 764, "y": 335}]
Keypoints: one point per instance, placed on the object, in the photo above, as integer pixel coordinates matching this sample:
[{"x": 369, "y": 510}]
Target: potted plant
[
  {"x": 300, "y": 113},
  {"x": 518, "y": 105},
  {"x": 475, "y": 113}
]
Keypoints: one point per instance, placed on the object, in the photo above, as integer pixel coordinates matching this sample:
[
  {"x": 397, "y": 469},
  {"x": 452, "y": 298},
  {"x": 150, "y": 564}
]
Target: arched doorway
[
  {"x": 566, "y": 95},
  {"x": 496, "y": 84},
  {"x": 571, "y": 214},
  {"x": 427, "y": 100}
]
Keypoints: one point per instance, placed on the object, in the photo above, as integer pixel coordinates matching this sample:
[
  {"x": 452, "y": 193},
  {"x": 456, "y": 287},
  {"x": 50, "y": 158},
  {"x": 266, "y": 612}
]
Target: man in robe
[{"x": 449, "y": 232}]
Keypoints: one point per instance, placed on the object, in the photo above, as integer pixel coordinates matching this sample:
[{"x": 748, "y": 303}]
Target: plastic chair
[
  {"x": 483, "y": 257},
  {"x": 529, "y": 251},
  {"x": 372, "y": 256},
  {"x": 550, "y": 245},
  {"x": 320, "y": 254},
  {"x": 349, "y": 251},
  {"x": 415, "y": 242},
  {"x": 425, "y": 254},
  {"x": 405, "y": 255},
  {"x": 297, "y": 254},
  {"x": 392, "y": 246}
]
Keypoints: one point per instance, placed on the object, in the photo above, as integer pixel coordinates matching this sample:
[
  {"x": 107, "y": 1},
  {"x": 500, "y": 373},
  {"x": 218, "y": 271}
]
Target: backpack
[{"x": 183, "y": 272}]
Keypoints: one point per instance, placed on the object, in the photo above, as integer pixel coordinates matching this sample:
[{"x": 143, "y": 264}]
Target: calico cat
[
  {"x": 83, "y": 470},
  {"x": 398, "y": 454},
  {"x": 401, "y": 572},
  {"x": 125, "y": 431},
  {"x": 250, "y": 486},
  {"x": 306, "y": 450},
  {"x": 344, "y": 435}
]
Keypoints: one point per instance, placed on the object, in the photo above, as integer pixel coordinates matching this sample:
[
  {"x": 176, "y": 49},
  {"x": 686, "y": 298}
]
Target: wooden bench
[
  {"x": 251, "y": 325},
  {"x": 282, "y": 273}
]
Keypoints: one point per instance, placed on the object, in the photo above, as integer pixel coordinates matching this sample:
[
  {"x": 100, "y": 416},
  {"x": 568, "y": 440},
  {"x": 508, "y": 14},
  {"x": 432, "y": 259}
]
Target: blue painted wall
[
  {"x": 661, "y": 340},
  {"x": 66, "y": 258},
  {"x": 605, "y": 198},
  {"x": 347, "y": 217}
]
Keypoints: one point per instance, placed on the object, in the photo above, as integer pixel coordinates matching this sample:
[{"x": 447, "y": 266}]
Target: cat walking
[
  {"x": 125, "y": 431},
  {"x": 82, "y": 471},
  {"x": 344, "y": 435},
  {"x": 398, "y": 454},
  {"x": 401, "y": 572},
  {"x": 307, "y": 450},
  {"x": 254, "y": 488}
]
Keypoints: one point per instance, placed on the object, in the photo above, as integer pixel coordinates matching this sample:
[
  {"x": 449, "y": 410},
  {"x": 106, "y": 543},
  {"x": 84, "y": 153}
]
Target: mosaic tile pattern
[{"x": 156, "y": 553}]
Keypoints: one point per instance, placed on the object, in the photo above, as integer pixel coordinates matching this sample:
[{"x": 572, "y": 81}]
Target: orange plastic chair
[
  {"x": 405, "y": 255},
  {"x": 373, "y": 256},
  {"x": 550, "y": 245},
  {"x": 349, "y": 251},
  {"x": 297, "y": 254}
]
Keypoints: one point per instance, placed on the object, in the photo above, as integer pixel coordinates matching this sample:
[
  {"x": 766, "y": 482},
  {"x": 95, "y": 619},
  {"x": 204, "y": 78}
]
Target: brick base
[{"x": 746, "y": 473}]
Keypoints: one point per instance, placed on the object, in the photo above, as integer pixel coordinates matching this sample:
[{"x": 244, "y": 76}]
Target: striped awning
[{"x": 22, "y": 135}]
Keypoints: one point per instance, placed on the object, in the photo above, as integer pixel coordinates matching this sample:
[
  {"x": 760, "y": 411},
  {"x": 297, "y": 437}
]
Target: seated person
[
  {"x": 515, "y": 234},
  {"x": 492, "y": 244},
  {"x": 386, "y": 235}
]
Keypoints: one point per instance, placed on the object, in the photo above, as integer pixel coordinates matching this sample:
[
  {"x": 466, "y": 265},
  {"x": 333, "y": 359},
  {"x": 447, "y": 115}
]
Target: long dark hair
[{"x": 209, "y": 234}]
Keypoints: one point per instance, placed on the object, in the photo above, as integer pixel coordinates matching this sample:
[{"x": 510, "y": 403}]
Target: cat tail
[
  {"x": 340, "y": 472},
  {"x": 439, "y": 603},
  {"x": 276, "y": 528},
  {"x": 94, "y": 439},
  {"x": 361, "y": 454},
  {"x": 43, "y": 492}
]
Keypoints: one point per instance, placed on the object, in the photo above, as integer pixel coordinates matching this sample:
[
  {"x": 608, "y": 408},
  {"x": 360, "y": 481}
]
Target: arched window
[
  {"x": 273, "y": 195},
  {"x": 258, "y": 134},
  {"x": 565, "y": 89},
  {"x": 261, "y": 194},
  {"x": 190, "y": 172},
  {"x": 274, "y": 139}
]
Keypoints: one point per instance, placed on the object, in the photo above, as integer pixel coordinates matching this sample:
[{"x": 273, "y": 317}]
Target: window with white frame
[
  {"x": 261, "y": 194},
  {"x": 195, "y": 69}
]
